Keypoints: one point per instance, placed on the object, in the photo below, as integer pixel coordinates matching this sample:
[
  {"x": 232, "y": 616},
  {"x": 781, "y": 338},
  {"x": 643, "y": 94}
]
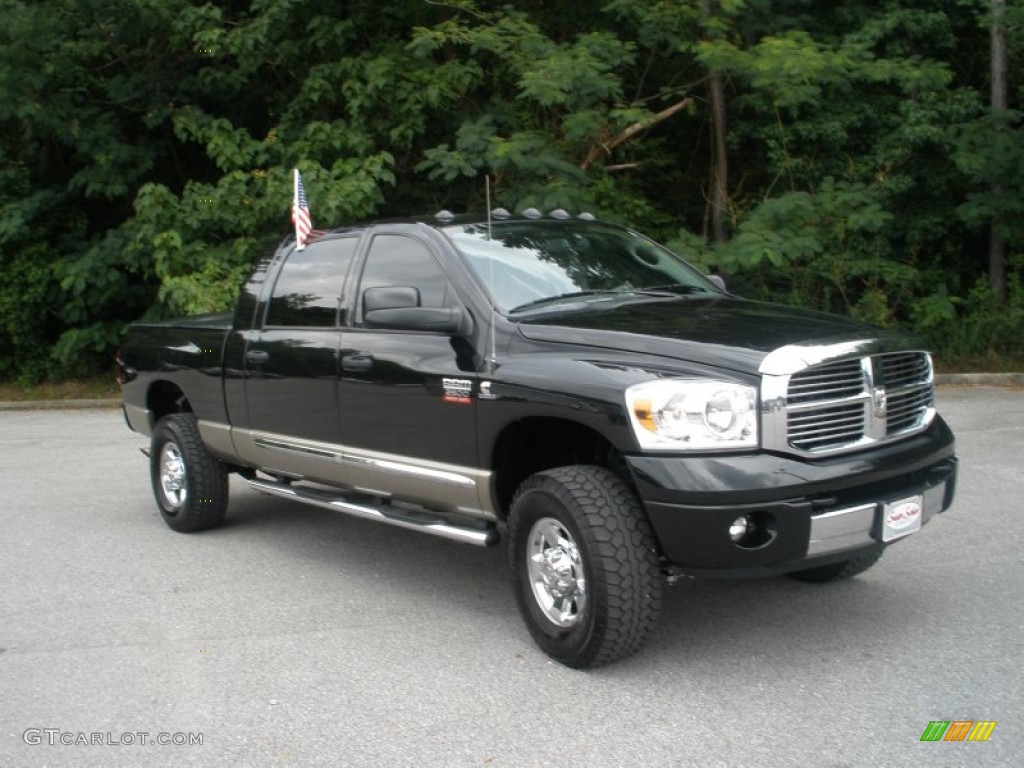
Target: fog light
[
  {"x": 753, "y": 530},
  {"x": 740, "y": 527}
]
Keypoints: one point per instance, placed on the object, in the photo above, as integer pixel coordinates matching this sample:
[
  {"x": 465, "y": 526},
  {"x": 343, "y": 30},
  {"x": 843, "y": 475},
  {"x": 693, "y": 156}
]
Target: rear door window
[{"x": 309, "y": 286}]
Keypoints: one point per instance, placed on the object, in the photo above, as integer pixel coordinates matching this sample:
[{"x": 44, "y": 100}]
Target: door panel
[
  {"x": 291, "y": 383},
  {"x": 291, "y": 363},
  {"x": 409, "y": 393}
]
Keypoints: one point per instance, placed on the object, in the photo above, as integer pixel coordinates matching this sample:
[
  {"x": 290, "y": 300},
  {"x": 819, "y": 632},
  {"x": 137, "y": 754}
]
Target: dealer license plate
[{"x": 901, "y": 518}]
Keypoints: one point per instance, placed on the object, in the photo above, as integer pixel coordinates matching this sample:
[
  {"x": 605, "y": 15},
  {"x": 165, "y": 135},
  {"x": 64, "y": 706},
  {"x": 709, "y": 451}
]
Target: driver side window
[{"x": 397, "y": 260}]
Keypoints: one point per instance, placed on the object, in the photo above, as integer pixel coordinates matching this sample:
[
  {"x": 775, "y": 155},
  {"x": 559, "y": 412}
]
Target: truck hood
[{"x": 729, "y": 333}]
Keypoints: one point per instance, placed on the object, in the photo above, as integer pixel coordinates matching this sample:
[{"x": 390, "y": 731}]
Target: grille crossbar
[{"x": 851, "y": 403}]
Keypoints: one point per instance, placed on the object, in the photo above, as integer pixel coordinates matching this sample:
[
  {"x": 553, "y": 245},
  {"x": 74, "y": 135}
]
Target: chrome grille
[
  {"x": 905, "y": 410},
  {"x": 827, "y": 382},
  {"x": 905, "y": 369},
  {"x": 826, "y": 427},
  {"x": 849, "y": 403},
  {"x": 908, "y": 383}
]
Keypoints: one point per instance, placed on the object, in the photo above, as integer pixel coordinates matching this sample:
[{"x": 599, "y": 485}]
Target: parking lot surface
[{"x": 295, "y": 636}]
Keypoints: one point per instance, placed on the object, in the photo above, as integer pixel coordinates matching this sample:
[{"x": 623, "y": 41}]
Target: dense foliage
[{"x": 839, "y": 156}]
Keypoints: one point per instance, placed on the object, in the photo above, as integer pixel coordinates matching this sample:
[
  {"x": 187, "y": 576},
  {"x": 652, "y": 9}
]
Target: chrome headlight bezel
[{"x": 676, "y": 414}]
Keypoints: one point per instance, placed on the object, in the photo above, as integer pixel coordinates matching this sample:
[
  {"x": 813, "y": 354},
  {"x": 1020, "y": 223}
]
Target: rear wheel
[
  {"x": 583, "y": 564},
  {"x": 190, "y": 485},
  {"x": 844, "y": 569}
]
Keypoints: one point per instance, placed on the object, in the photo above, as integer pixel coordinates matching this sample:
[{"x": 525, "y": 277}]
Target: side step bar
[{"x": 483, "y": 536}]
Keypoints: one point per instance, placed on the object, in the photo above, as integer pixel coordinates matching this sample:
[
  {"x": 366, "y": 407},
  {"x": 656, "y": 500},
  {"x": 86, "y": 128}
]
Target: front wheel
[
  {"x": 584, "y": 567},
  {"x": 190, "y": 485}
]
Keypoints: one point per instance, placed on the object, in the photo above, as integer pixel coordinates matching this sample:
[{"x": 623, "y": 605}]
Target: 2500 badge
[{"x": 457, "y": 390}]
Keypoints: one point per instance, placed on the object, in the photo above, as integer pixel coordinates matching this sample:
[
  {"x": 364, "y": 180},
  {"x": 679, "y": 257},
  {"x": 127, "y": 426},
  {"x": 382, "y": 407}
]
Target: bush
[
  {"x": 28, "y": 322},
  {"x": 975, "y": 331}
]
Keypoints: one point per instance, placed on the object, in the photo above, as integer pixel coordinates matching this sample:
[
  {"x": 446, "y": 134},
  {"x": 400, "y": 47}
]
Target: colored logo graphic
[{"x": 958, "y": 730}]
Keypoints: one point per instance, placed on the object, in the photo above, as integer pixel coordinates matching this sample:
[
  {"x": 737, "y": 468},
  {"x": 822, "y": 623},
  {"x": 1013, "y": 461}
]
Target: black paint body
[{"x": 390, "y": 391}]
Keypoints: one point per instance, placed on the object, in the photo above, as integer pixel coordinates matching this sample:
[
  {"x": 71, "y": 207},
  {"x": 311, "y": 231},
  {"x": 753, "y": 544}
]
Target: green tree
[
  {"x": 991, "y": 148},
  {"x": 845, "y": 132},
  {"x": 79, "y": 85},
  {"x": 845, "y": 157}
]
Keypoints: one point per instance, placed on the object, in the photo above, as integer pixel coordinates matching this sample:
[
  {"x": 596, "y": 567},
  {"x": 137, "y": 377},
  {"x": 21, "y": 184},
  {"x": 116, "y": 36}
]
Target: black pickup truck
[{"x": 621, "y": 419}]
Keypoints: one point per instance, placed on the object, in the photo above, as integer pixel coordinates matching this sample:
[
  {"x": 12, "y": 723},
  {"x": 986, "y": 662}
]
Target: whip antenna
[
  {"x": 487, "y": 193},
  {"x": 492, "y": 353}
]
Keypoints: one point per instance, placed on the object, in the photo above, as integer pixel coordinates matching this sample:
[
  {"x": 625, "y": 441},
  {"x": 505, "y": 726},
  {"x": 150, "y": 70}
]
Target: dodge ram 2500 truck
[{"x": 567, "y": 384}]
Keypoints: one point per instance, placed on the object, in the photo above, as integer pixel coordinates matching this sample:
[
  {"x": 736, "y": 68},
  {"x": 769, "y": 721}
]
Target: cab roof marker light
[
  {"x": 500, "y": 213},
  {"x": 559, "y": 213},
  {"x": 587, "y": 216},
  {"x": 444, "y": 215},
  {"x": 532, "y": 213}
]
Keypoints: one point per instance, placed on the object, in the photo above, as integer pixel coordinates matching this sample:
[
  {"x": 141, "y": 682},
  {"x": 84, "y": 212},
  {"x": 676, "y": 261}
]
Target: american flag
[{"x": 300, "y": 213}]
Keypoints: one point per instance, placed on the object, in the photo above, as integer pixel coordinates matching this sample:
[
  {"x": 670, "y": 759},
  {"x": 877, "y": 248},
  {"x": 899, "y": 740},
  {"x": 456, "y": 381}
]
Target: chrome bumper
[{"x": 854, "y": 527}]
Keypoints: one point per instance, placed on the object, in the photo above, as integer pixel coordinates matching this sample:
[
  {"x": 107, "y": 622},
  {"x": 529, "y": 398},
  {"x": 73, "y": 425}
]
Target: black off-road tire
[
  {"x": 611, "y": 538},
  {"x": 844, "y": 569},
  {"x": 179, "y": 458}
]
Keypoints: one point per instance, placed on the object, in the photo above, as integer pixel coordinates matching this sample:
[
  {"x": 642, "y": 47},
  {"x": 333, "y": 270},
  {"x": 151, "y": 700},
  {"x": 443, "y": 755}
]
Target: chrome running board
[{"x": 383, "y": 512}]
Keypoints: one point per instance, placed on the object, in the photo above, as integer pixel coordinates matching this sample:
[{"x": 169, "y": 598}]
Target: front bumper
[{"x": 816, "y": 512}]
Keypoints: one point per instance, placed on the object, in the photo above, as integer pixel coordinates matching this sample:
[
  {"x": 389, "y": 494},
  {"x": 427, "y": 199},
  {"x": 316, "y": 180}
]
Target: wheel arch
[
  {"x": 533, "y": 444},
  {"x": 164, "y": 397}
]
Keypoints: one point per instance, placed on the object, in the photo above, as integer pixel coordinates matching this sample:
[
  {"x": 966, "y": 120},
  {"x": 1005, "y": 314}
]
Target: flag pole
[{"x": 299, "y": 244}]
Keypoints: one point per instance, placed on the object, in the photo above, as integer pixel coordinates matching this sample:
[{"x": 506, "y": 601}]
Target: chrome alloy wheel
[
  {"x": 173, "y": 479},
  {"x": 556, "y": 572}
]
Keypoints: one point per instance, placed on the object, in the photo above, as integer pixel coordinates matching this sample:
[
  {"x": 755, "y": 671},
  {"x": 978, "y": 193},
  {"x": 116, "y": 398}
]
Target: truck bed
[{"x": 211, "y": 321}]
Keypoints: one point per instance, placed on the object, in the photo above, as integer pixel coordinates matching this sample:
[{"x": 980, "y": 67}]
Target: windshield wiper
[
  {"x": 673, "y": 289},
  {"x": 563, "y": 296},
  {"x": 669, "y": 290}
]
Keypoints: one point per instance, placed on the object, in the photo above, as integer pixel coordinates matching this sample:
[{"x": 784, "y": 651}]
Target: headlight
[{"x": 693, "y": 414}]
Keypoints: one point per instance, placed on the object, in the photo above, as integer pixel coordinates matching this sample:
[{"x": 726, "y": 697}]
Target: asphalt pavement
[{"x": 296, "y": 636}]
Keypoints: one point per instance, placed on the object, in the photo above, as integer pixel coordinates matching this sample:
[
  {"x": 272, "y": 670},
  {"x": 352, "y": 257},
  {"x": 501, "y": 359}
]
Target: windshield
[{"x": 530, "y": 264}]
